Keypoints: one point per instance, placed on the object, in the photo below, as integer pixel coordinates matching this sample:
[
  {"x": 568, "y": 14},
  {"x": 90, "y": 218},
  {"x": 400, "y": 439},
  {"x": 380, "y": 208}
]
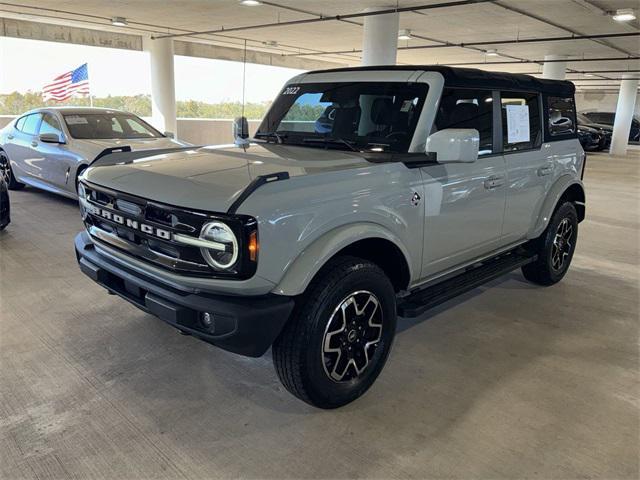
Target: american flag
[{"x": 68, "y": 84}]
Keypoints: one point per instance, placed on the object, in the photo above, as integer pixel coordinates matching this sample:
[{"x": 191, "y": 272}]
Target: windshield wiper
[
  {"x": 278, "y": 137},
  {"x": 331, "y": 141}
]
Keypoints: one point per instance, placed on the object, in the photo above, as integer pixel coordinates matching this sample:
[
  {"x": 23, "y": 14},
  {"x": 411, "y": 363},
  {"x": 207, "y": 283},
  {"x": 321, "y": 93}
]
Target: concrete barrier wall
[{"x": 601, "y": 102}]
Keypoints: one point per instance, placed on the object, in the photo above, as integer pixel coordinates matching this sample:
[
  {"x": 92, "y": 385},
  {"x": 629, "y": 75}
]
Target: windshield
[
  {"x": 108, "y": 126},
  {"x": 348, "y": 116}
]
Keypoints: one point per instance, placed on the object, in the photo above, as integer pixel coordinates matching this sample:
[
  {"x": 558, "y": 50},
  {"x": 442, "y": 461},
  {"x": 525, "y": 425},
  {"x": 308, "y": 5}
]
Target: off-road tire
[
  {"x": 299, "y": 353},
  {"x": 12, "y": 183},
  {"x": 546, "y": 270}
]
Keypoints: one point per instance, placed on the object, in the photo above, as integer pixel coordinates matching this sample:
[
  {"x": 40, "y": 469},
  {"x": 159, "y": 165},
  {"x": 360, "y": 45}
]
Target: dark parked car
[
  {"x": 5, "y": 212},
  {"x": 590, "y": 138},
  {"x": 607, "y": 118},
  {"x": 605, "y": 131}
]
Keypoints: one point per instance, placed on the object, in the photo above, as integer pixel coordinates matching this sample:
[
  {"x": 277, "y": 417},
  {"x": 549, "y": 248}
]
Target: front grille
[{"x": 116, "y": 219}]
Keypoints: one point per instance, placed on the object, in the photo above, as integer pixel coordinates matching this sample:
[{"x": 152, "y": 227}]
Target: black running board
[{"x": 419, "y": 302}]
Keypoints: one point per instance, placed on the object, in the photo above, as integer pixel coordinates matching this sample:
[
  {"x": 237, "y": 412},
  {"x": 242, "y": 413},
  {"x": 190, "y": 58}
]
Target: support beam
[
  {"x": 380, "y": 39},
  {"x": 163, "y": 85},
  {"x": 624, "y": 114},
  {"x": 555, "y": 70}
]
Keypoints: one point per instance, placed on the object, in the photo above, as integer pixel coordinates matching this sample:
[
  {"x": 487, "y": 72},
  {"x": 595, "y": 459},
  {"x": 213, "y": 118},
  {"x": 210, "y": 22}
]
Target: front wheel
[
  {"x": 338, "y": 339},
  {"x": 7, "y": 173},
  {"x": 555, "y": 247}
]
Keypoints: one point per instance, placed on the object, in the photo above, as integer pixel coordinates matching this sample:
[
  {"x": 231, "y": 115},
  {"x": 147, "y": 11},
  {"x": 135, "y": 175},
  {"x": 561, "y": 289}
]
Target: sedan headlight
[
  {"x": 82, "y": 200},
  {"x": 223, "y": 252}
]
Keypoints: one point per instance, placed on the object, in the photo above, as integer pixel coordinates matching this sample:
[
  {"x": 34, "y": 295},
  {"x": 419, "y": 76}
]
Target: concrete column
[
  {"x": 624, "y": 114},
  {"x": 554, "y": 70},
  {"x": 163, "y": 85},
  {"x": 380, "y": 42}
]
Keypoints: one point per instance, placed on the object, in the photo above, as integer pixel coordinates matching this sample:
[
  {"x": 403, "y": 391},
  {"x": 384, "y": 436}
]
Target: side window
[
  {"x": 20, "y": 123},
  {"x": 137, "y": 127},
  {"x": 521, "y": 128},
  {"x": 468, "y": 108},
  {"x": 50, "y": 124},
  {"x": 116, "y": 125},
  {"x": 562, "y": 116},
  {"x": 31, "y": 124}
]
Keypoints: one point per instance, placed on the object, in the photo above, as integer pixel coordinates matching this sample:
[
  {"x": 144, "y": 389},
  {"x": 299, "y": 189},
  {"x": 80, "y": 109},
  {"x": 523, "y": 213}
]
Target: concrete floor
[{"x": 511, "y": 381}]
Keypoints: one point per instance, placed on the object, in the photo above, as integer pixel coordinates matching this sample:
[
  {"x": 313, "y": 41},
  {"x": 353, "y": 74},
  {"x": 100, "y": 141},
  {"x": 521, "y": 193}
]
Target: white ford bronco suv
[{"x": 366, "y": 194}]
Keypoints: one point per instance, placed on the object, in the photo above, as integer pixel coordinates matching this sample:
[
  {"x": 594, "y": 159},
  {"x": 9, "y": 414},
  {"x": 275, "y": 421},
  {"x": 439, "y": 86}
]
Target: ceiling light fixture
[
  {"x": 250, "y": 3},
  {"x": 119, "y": 22},
  {"x": 624, "y": 15},
  {"x": 491, "y": 53},
  {"x": 404, "y": 34},
  {"x": 588, "y": 74}
]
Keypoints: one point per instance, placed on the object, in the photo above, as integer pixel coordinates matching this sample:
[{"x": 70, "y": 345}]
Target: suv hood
[
  {"x": 211, "y": 178},
  {"x": 135, "y": 143}
]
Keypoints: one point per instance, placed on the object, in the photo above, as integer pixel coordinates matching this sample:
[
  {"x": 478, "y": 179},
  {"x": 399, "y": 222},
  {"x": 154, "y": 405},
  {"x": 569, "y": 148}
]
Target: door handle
[
  {"x": 545, "y": 170},
  {"x": 34, "y": 144},
  {"x": 10, "y": 137},
  {"x": 494, "y": 181}
]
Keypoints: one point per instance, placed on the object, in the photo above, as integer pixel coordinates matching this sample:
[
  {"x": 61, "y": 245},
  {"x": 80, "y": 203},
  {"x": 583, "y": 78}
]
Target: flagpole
[{"x": 90, "y": 95}]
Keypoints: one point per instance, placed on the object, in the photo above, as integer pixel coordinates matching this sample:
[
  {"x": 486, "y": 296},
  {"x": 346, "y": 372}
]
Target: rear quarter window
[
  {"x": 20, "y": 123},
  {"x": 561, "y": 119}
]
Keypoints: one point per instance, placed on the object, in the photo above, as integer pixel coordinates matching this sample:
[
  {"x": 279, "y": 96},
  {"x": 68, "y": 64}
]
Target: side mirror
[
  {"x": 169, "y": 134},
  {"x": 51, "y": 138},
  {"x": 454, "y": 145},
  {"x": 240, "y": 131}
]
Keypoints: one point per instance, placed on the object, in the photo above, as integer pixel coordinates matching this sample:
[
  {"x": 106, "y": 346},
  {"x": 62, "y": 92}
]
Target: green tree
[{"x": 16, "y": 103}]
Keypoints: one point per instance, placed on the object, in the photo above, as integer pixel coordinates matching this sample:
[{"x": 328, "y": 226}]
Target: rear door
[
  {"x": 464, "y": 202},
  {"x": 529, "y": 165},
  {"x": 22, "y": 147}
]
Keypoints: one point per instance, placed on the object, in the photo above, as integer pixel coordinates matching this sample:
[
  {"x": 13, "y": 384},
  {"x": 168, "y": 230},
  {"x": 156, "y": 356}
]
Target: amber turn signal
[{"x": 253, "y": 246}]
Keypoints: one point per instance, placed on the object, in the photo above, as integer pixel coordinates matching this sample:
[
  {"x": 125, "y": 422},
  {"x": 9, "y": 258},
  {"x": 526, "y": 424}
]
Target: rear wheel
[
  {"x": 339, "y": 336},
  {"x": 7, "y": 173},
  {"x": 555, "y": 247}
]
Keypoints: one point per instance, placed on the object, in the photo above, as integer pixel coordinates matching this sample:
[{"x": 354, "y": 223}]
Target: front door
[
  {"x": 464, "y": 202},
  {"x": 59, "y": 160}
]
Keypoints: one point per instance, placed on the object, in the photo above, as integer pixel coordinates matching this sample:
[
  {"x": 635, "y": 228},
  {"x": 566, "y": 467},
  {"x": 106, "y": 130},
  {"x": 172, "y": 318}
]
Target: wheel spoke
[
  {"x": 562, "y": 245},
  {"x": 351, "y": 337}
]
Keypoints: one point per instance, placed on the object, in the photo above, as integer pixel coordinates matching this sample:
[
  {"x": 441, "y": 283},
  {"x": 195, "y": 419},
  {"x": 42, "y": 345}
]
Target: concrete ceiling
[{"x": 506, "y": 20}]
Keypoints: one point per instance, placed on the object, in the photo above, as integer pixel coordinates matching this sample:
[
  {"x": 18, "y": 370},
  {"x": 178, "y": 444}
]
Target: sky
[{"x": 30, "y": 64}]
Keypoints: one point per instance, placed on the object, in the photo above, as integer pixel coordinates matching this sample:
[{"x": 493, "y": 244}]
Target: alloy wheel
[
  {"x": 562, "y": 244},
  {"x": 352, "y": 336},
  {"x": 5, "y": 169}
]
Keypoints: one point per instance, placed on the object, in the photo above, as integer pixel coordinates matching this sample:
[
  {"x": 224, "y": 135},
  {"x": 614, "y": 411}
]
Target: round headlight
[{"x": 226, "y": 255}]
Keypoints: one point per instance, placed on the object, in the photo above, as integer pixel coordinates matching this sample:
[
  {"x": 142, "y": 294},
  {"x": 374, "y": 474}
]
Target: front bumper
[{"x": 244, "y": 325}]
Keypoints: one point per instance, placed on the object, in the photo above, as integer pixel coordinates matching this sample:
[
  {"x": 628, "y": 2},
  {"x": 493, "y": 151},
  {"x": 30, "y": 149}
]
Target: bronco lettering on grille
[{"x": 128, "y": 222}]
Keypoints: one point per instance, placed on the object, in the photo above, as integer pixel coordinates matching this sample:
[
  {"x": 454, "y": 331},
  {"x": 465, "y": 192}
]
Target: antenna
[{"x": 244, "y": 76}]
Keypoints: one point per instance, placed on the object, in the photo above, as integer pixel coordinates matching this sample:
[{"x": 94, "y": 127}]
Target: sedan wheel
[{"x": 7, "y": 174}]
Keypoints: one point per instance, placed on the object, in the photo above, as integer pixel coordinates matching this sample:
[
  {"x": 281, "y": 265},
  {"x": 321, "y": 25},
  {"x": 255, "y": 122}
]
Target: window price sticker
[
  {"x": 518, "y": 124},
  {"x": 75, "y": 120}
]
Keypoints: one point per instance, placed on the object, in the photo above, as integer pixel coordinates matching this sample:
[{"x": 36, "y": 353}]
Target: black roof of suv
[{"x": 473, "y": 77}]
